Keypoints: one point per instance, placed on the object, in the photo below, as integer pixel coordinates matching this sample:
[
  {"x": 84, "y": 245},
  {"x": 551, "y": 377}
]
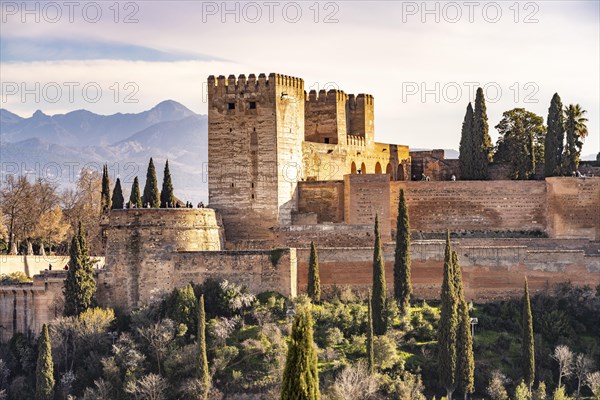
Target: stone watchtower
[{"x": 255, "y": 135}]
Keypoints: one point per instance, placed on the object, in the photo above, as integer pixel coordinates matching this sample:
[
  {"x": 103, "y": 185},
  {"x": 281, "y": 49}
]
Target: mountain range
[{"x": 56, "y": 147}]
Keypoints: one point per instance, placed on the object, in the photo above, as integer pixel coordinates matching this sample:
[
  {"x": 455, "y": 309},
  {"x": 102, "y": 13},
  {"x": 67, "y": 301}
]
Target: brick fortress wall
[{"x": 153, "y": 251}]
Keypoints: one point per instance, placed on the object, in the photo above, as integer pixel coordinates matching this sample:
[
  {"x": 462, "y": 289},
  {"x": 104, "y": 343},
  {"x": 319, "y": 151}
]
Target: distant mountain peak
[
  {"x": 39, "y": 114},
  {"x": 6, "y": 117},
  {"x": 172, "y": 106}
]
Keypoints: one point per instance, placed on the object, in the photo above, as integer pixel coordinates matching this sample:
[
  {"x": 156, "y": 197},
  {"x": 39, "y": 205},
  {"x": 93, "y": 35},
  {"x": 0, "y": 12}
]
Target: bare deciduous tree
[
  {"x": 496, "y": 389},
  {"x": 355, "y": 383},
  {"x": 14, "y": 195},
  {"x": 583, "y": 365},
  {"x": 592, "y": 380},
  {"x": 83, "y": 205},
  {"x": 158, "y": 336},
  {"x": 564, "y": 356},
  {"x": 103, "y": 390},
  {"x": 149, "y": 387}
]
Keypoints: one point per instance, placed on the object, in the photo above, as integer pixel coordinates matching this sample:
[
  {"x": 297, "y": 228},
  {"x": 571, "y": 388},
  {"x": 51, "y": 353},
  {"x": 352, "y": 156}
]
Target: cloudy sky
[{"x": 421, "y": 60}]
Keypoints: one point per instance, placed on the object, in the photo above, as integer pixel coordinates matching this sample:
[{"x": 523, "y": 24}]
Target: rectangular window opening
[
  {"x": 252, "y": 105},
  {"x": 231, "y": 106}
]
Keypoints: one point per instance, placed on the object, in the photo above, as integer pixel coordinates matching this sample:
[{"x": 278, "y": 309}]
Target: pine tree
[
  {"x": 555, "y": 135},
  {"x": 314, "y": 282},
  {"x": 465, "y": 363},
  {"x": 482, "y": 143},
  {"x": 520, "y": 143},
  {"x": 80, "y": 285},
  {"x": 370, "y": 349},
  {"x": 203, "y": 372},
  {"x": 447, "y": 327},
  {"x": 300, "y": 375},
  {"x": 528, "y": 355},
  {"x": 167, "y": 198},
  {"x": 151, "y": 196},
  {"x": 44, "y": 372},
  {"x": 465, "y": 156},
  {"x": 105, "y": 196},
  {"x": 402, "y": 284},
  {"x": 379, "y": 300},
  {"x": 135, "y": 197},
  {"x": 117, "y": 196}
]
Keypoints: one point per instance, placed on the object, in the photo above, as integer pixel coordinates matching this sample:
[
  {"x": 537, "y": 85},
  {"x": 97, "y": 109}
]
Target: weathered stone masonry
[{"x": 150, "y": 252}]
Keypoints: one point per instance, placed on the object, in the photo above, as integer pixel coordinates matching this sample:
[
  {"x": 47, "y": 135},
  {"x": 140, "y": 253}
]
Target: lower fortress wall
[
  {"x": 25, "y": 308},
  {"x": 150, "y": 252},
  {"x": 32, "y": 265},
  {"x": 258, "y": 270},
  {"x": 556, "y": 207},
  {"x": 472, "y": 205},
  {"x": 489, "y": 272}
]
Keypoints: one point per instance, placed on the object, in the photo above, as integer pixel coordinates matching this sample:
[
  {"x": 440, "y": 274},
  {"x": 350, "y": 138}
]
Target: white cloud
[{"x": 369, "y": 50}]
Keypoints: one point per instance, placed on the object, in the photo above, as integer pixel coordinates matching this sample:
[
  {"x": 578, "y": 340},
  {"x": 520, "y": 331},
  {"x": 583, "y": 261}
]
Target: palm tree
[{"x": 576, "y": 130}]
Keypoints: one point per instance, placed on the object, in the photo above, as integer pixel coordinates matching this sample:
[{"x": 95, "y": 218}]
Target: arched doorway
[
  {"x": 353, "y": 168},
  {"x": 378, "y": 168},
  {"x": 388, "y": 170},
  {"x": 400, "y": 173},
  {"x": 363, "y": 168}
]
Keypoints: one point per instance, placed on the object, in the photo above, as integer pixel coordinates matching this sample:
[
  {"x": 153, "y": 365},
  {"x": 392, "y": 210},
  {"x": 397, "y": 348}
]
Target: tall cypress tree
[
  {"x": 482, "y": 143},
  {"x": 465, "y": 363},
  {"x": 402, "y": 284},
  {"x": 314, "y": 282},
  {"x": 370, "y": 348},
  {"x": 44, "y": 372},
  {"x": 167, "y": 198},
  {"x": 80, "y": 285},
  {"x": 151, "y": 196},
  {"x": 379, "y": 300},
  {"x": 135, "y": 198},
  {"x": 532, "y": 159},
  {"x": 528, "y": 343},
  {"x": 105, "y": 196},
  {"x": 555, "y": 135},
  {"x": 465, "y": 157},
  {"x": 117, "y": 196},
  {"x": 447, "y": 327},
  {"x": 300, "y": 375},
  {"x": 203, "y": 372}
]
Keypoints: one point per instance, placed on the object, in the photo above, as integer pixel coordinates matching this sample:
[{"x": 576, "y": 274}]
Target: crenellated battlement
[
  {"x": 360, "y": 100},
  {"x": 242, "y": 84},
  {"x": 331, "y": 96}
]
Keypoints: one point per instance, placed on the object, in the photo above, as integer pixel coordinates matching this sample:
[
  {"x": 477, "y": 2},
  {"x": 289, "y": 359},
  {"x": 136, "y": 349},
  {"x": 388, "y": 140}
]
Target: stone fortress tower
[
  {"x": 266, "y": 134},
  {"x": 255, "y": 134}
]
